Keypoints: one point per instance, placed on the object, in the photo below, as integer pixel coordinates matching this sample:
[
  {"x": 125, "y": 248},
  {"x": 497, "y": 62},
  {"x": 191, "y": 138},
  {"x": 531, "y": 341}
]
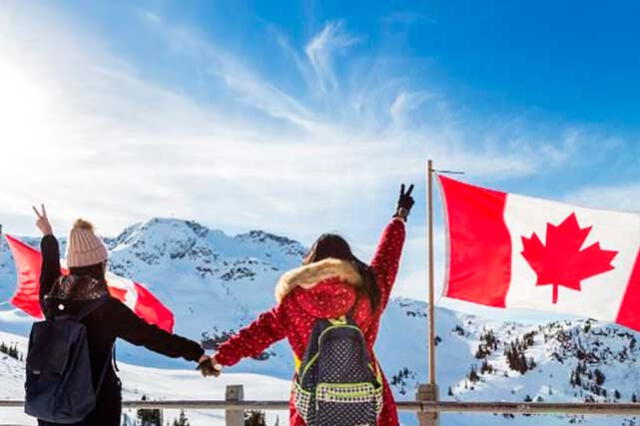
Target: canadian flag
[
  {"x": 511, "y": 251},
  {"x": 136, "y": 296}
]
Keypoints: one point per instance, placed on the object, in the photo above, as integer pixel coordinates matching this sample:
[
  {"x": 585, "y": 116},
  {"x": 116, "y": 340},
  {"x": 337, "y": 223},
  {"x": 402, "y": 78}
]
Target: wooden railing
[{"x": 234, "y": 406}]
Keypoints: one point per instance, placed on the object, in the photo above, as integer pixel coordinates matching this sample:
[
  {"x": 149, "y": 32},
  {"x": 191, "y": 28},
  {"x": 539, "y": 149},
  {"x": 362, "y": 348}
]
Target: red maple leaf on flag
[{"x": 561, "y": 261}]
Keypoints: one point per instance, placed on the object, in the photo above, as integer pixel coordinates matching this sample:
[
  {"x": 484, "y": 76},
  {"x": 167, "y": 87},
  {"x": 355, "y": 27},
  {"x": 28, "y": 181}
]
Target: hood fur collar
[
  {"x": 78, "y": 288},
  {"x": 308, "y": 276}
]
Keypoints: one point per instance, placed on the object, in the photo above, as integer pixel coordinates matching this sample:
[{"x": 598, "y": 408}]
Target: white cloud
[
  {"x": 405, "y": 103},
  {"x": 149, "y": 16},
  {"x": 615, "y": 197}
]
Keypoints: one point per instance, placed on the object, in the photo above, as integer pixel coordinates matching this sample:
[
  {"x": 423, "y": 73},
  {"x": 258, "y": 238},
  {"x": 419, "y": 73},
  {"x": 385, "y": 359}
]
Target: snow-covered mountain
[{"x": 216, "y": 283}]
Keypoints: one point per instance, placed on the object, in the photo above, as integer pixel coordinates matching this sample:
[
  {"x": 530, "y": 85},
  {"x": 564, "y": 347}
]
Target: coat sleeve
[
  {"x": 133, "y": 329},
  {"x": 252, "y": 340},
  {"x": 386, "y": 260},
  {"x": 50, "y": 270}
]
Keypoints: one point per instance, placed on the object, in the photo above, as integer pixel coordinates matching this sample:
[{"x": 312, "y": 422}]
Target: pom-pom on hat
[{"x": 84, "y": 247}]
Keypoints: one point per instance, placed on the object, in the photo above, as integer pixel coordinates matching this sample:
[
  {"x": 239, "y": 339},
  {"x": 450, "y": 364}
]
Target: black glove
[{"x": 405, "y": 202}]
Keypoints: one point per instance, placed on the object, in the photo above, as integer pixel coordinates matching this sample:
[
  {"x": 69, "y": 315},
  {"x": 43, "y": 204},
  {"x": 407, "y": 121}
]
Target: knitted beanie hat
[{"x": 84, "y": 248}]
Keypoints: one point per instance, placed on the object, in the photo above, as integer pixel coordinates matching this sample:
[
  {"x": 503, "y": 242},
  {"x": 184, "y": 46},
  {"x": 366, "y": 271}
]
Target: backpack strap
[
  {"x": 342, "y": 320},
  {"x": 110, "y": 358},
  {"x": 296, "y": 363},
  {"x": 346, "y": 319},
  {"x": 82, "y": 314}
]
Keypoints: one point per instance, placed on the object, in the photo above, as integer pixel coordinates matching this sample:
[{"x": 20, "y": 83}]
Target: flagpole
[
  {"x": 429, "y": 392},
  {"x": 432, "y": 329}
]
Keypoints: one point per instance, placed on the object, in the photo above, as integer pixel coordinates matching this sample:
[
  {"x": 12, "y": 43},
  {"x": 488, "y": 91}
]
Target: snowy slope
[
  {"x": 155, "y": 384},
  {"x": 216, "y": 283}
]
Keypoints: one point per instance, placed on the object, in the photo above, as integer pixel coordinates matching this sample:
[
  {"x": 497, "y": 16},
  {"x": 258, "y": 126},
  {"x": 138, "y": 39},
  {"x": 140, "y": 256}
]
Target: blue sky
[{"x": 303, "y": 117}]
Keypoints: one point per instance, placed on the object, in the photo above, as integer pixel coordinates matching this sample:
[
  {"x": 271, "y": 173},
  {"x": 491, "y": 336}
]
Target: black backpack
[
  {"x": 337, "y": 384},
  {"x": 59, "y": 383}
]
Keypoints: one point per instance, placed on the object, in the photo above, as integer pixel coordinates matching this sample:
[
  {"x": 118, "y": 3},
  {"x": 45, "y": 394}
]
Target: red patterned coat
[{"x": 325, "y": 289}]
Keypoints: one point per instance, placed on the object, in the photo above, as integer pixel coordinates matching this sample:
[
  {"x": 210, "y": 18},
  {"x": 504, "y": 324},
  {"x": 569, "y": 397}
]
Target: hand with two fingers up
[
  {"x": 43, "y": 221},
  {"x": 405, "y": 202}
]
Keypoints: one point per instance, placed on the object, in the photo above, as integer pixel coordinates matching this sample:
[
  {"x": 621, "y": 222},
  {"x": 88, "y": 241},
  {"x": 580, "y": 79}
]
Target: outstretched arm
[
  {"x": 135, "y": 330},
  {"x": 252, "y": 340},
  {"x": 386, "y": 260},
  {"x": 50, "y": 249}
]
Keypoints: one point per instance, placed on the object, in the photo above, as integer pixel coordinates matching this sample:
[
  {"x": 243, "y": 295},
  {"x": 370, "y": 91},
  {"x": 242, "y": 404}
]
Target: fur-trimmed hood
[
  {"x": 77, "y": 288},
  {"x": 308, "y": 276}
]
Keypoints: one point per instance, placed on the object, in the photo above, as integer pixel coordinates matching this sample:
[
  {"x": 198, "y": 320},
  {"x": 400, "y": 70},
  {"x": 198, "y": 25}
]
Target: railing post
[
  {"x": 234, "y": 417},
  {"x": 428, "y": 392}
]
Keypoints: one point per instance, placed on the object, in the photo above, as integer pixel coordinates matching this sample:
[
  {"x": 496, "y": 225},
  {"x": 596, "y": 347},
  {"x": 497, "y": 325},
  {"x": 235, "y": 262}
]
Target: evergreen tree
[
  {"x": 473, "y": 375},
  {"x": 486, "y": 367},
  {"x": 254, "y": 418},
  {"x": 599, "y": 375},
  {"x": 181, "y": 420},
  {"x": 148, "y": 417},
  {"x": 11, "y": 351}
]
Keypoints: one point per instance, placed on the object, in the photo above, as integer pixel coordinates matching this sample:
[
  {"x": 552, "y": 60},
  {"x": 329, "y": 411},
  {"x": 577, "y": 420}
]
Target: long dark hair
[
  {"x": 96, "y": 271},
  {"x": 334, "y": 246}
]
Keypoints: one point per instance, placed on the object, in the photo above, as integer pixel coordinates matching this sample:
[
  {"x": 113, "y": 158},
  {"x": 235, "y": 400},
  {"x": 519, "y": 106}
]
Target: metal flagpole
[
  {"x": 432, "y": 329},
  {"x": 429, "y": 392}
]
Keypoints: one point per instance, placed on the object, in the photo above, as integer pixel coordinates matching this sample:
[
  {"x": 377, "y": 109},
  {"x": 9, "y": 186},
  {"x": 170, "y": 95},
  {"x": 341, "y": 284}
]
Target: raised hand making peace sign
[
  {"x": 43, "y": 221},
  {"x": 405, "y": 202}
]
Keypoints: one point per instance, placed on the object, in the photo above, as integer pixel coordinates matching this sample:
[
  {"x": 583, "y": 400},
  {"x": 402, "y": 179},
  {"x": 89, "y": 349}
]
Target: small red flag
[
  {"x": 136, "y": 296},
  {"x": 28, "y": 264}
]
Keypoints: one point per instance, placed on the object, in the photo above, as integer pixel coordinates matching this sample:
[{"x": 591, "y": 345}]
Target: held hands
[
  {"x": 209, "y": 366},
  {"x": 43, "y": 221},
  {"x": 405, "y": 202}
]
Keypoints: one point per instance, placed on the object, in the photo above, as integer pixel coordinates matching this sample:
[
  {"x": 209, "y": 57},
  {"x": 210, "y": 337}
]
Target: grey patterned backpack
[{"x": 337, "y": 383}]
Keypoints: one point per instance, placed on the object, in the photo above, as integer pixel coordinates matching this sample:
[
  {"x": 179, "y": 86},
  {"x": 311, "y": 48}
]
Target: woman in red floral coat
[{"x": 332, "y": 282}]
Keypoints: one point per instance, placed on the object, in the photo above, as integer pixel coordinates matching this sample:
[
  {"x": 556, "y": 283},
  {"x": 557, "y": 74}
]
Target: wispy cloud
[
  {"x": 406, "y": 102},
  {"x": 322, "y": 49},
  {"x": 616, "y": 197}
]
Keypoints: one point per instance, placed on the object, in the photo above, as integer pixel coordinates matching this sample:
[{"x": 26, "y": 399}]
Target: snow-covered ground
[
  {"x": 155, "y": 384},
  {"x": 215, "y": 283}
]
